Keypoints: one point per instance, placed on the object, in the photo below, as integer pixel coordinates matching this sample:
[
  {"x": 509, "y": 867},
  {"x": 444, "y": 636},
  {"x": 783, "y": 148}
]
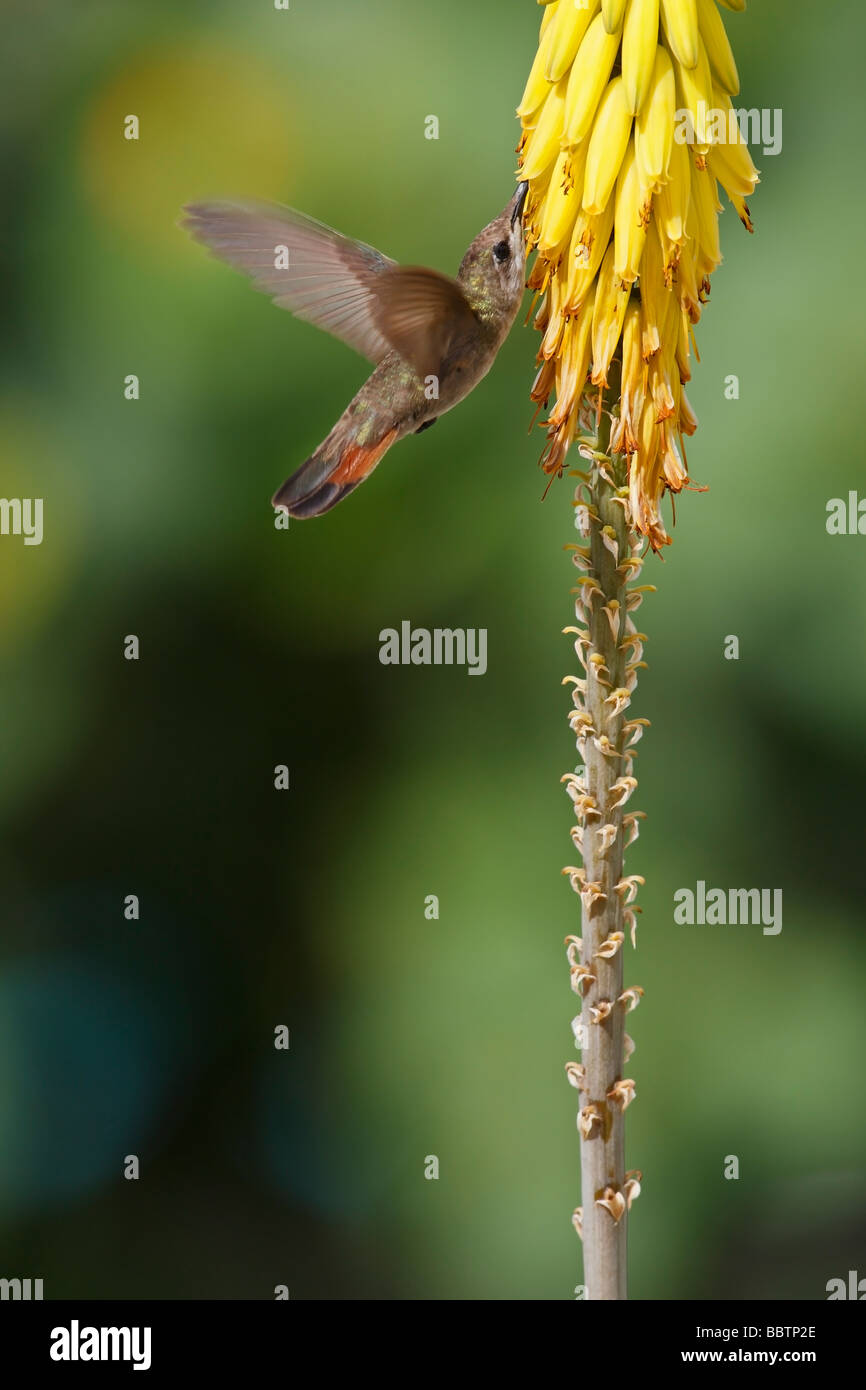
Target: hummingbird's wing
[
  {"x": 421, "y": 313},
  {"x": 343, "y": 286}
]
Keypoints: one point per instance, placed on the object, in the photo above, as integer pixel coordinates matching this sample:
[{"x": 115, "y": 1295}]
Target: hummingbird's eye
[{"x": 501, "y": 252}]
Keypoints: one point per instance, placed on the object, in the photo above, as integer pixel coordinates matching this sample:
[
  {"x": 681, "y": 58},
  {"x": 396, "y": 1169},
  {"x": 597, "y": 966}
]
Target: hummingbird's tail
[{"x": 330, "y": 474}]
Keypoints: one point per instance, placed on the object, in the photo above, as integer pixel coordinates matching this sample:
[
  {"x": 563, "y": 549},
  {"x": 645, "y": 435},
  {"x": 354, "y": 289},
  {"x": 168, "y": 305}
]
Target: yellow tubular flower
[
  {"x": 718, "y": 47},
  {"x": 671, "y": 206},
  {"x": 569, "y": 27},
  {"x": 655, "y": 295},
  {"x": 695, "y": 89},
  {"x": 590, "y": 71},
  {"x": 654, "y": 128},
  {"x": 611, "y": 302},
  {"x": 623, "y": 439},
  {"x": 639, "y": 44},
  {"x": 564, "y": 195},
  {"x": 607, "y": 146},
  {"x": 537, "y": 84},
  {"x": 613, "y": 12},
  {"x": 575, "y": 364},
  {"x": 588, "y": 244},
  {"x": 629, "y": 133},
  {"x": 707, "y": 208},
  {"x": 542, "y": 147},
  {"x": 633, "y": 212},
  {"x": 680, "y": 25}
]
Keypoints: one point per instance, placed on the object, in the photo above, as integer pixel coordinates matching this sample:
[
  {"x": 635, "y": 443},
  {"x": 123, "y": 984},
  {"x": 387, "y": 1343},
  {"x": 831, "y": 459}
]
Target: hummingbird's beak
[{"x": 518, "y": 202}]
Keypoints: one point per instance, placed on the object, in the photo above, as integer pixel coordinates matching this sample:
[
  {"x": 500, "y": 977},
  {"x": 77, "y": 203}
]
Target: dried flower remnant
[
  {"x": 613, "y": 1202},
  {"x": 622, "y": 1093},
  {"x": 631, "y": 1187},
  {"x": 609, "y": 947},
  {"x": 623, "y": 213},
  {"x": 589, "y": 1120},
  {"x": 576, "y": 1075},
  {"x": 630, "y": 998}
]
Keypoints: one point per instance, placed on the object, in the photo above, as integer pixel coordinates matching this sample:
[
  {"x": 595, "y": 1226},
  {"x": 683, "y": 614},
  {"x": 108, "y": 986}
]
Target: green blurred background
[{"x": 409, "y": 1037}]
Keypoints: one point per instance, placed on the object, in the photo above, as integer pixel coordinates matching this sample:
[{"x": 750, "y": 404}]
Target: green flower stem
[{"x": 610, "y": 649}]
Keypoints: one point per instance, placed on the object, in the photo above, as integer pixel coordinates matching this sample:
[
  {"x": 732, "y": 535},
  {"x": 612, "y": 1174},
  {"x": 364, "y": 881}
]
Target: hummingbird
[{"x": 432, "y": 338}]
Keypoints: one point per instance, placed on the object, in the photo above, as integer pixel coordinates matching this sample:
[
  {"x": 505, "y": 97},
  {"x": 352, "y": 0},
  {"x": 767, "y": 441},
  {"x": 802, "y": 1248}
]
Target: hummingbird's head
[{"x": 493, "y": 270}]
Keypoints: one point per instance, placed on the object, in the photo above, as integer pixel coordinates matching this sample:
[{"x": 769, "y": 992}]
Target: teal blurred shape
[{"x": 81, "y": 1079}]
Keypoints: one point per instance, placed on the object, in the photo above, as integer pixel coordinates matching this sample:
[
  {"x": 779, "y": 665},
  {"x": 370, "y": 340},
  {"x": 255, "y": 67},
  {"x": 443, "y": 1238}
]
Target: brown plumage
[{"x": 431, "y": 337}]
